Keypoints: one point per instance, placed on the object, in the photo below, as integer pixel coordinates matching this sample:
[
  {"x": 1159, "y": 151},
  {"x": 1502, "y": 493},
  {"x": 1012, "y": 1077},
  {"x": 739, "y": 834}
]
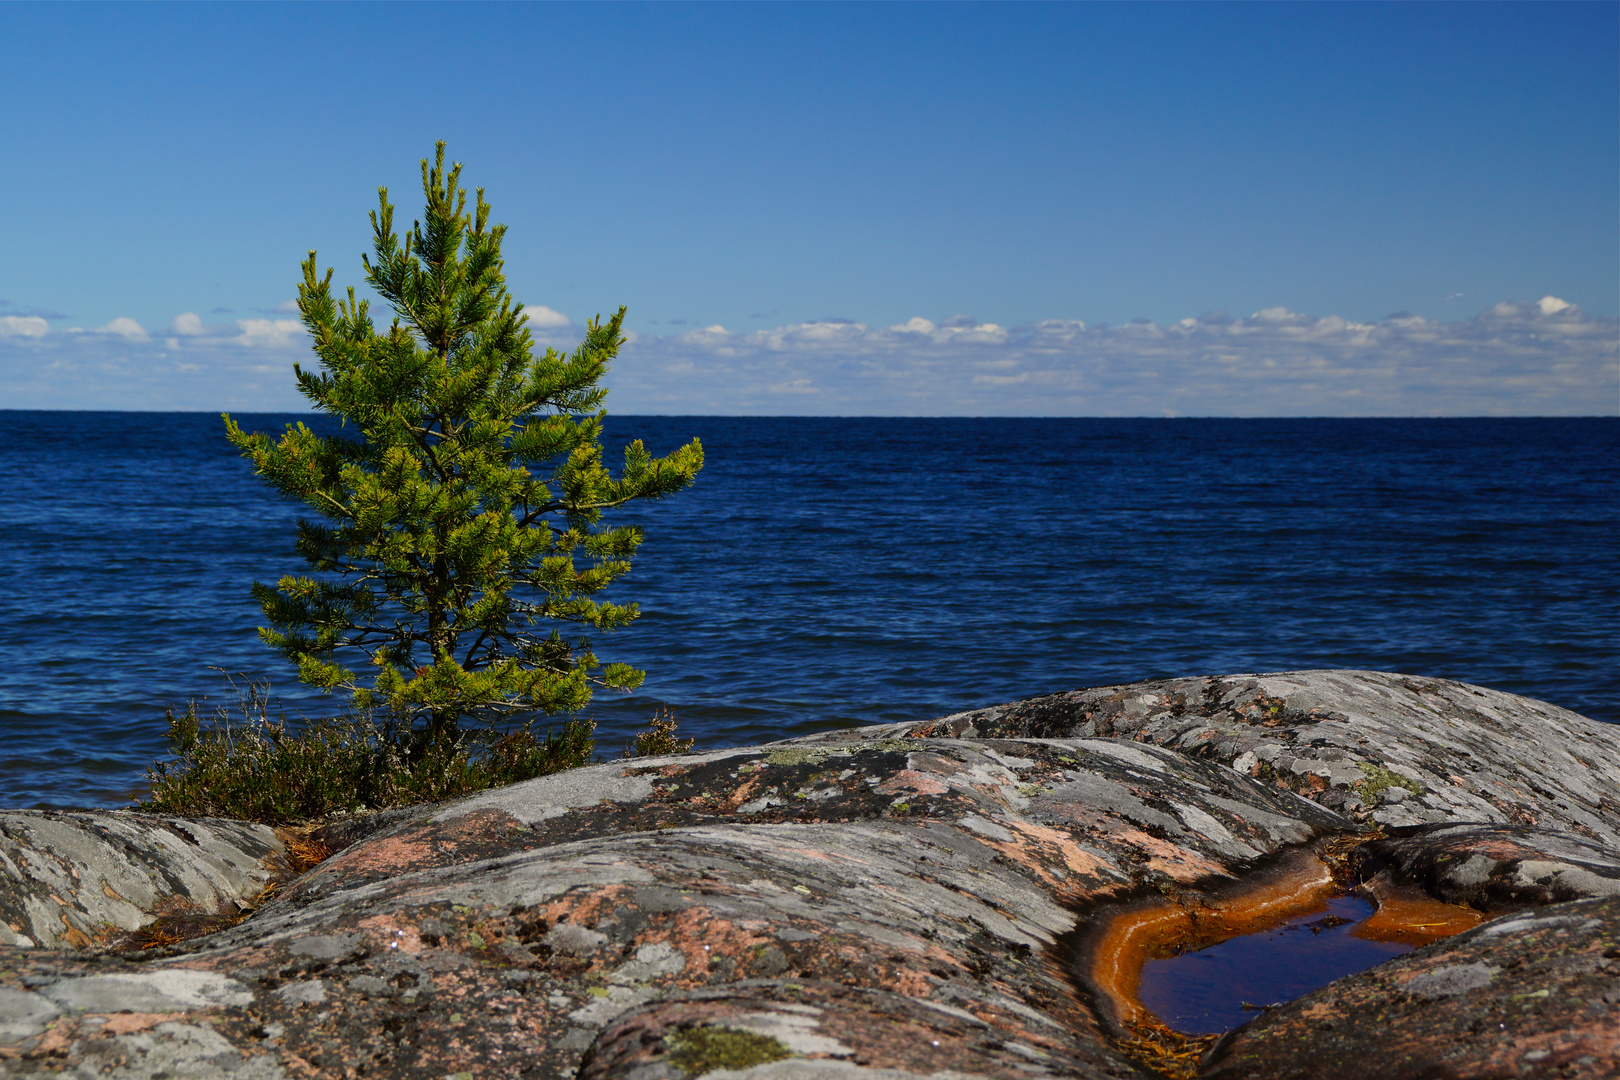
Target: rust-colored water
[
  {"x": 1218, "y": 988},
  {"x": 1410, "y": 917},
  {"x": 1300, "y": 883},
  {"x": 1205, "y": 964}
]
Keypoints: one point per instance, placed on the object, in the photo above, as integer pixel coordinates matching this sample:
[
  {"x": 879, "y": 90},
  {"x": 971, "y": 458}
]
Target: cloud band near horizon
[{"x": 1541, "y": 358}]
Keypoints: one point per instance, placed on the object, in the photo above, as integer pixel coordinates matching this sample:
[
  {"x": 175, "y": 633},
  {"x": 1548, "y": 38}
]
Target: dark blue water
[
  {"x": 849, "y": 571},
  {"x": 1218, "y": 988}
]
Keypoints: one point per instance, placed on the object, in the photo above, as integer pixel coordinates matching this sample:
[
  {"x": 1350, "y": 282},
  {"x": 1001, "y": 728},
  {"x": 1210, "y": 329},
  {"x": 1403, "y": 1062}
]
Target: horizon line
[{"x": 881, "y": 416}]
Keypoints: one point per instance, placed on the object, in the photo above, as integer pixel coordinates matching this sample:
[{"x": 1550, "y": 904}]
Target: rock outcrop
[
  {"x": 1386, "y": 749},
  {"x": 1536, "y": 993},
  {"x": 72, "y": 879},
  {"x": 905, "y": 900}
]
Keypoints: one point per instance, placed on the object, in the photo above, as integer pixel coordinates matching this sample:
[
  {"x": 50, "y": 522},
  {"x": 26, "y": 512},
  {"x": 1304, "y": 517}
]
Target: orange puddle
[
  {"x": 1300, "y": 884},
  {"x": 1162, "y": 927}
]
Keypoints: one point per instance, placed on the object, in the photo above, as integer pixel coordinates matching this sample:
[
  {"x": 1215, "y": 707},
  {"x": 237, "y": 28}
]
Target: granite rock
[
  {"x": 1535, "y": 994},
  {"x": 887, "y": 902},
  {"x": 73, "y": 878},
  {"x": 1447, "y": 751}
]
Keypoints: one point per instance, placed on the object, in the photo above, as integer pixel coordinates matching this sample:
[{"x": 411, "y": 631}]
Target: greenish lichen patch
[
  {"x": 1380, "y": 779},
  {"x": 696, "y": 1051},
  {"x": 803, "y": 755},
  {"x": 815, "y": 755}
]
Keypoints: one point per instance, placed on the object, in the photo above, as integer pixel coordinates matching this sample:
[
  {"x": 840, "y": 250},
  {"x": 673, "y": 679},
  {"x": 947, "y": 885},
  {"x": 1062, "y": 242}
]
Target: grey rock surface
[
  {"x": 1493, "y": 867},
  {"x": 1535, "y": 994},
  {"x": 888, "y": 902},
  {"x": 69, "y": 878},
  {"x": 1348, "y": 739}
]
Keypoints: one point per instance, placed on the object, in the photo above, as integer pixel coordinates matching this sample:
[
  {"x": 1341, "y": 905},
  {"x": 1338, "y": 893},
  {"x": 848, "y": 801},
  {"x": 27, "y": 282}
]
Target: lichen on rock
[{"x": 888, "y": 902}]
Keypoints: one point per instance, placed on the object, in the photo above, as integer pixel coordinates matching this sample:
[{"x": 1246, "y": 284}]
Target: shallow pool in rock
[{"x": 1217, "y": 988}]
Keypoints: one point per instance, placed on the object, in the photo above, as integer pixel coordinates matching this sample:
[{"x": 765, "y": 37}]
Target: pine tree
[{"x": 458, "y": 551}]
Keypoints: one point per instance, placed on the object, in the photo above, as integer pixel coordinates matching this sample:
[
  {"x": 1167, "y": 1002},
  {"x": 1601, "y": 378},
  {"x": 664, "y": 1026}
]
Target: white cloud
[
  {"x": 287, "y": 307},
  {"x": 1541, "y": 357},
  {"x": 988, "y": 332},
  {"x": 271, "y": 333},
  {"x": 246, "y": 366},
  {"x": 23, "y": 326},
  {"x": 192, "y": 333},
  {"x": 1276, "y": 315},
  {"x": 541, "y": 317},
  {"x": 1544, "y": 358},
  {"x": 125, "y": 328}
]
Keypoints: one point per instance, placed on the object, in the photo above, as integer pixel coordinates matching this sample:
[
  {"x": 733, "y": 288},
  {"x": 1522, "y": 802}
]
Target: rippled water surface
[{"x": 847, "y": 571}]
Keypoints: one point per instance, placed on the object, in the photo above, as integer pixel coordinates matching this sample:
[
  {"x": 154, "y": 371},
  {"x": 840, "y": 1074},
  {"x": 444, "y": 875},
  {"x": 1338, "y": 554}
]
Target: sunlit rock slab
[
  {"x": 865, "y": 905},
  {"x": 1493, "y": 867},
  {"x": 861, "y": 887},
  {"x": 1384, "y": 748},
  {"x": 68, "y": 879}
]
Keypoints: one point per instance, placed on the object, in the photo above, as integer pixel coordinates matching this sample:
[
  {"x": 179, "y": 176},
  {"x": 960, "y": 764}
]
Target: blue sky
[{"x": 897, "y": 208}]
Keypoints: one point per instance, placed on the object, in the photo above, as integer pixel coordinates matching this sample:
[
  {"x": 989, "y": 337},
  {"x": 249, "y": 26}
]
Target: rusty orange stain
[
  {"x": 73, "y": 935},
  {"x": 1116, "y": 968},
  {"x": 1601, "y": 1041},
  {"x": 129, "y": 1023},
  {"x": 58, "y": 1038},
  {"x": 912, "y": 780},
  {"x": 1411, "y": 917},
  {"x": 1296, "y": 887},
  {"x": 586, "y": 907},
  {"x": 1167, "y": 858},
  {"x": 1320, "y": 1010},
  {"x": 698, "y": 935},
  {"x": 1075, "y": 857},
  {"x": 812, "y": 853},
  {"x": 387, "y": 853},
  {"x": 740, "y": 796},
  {"x": 298, "y": 1064},
  {"x": 1503, "y": 850},
  {"x": 912, "y": 983}
]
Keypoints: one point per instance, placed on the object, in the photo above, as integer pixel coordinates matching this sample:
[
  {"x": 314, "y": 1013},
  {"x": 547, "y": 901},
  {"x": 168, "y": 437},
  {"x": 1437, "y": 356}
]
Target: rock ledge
[{"x": 889, "y": 902}]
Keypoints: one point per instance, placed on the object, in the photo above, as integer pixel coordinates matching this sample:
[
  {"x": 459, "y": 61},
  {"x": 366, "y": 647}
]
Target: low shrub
[
  {"x": 659, "y": 739},
  {"x": 254, "y": 768}
]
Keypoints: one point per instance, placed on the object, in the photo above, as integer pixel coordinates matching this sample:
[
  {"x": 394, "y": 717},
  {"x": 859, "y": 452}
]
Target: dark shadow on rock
[{"x": 1493, "y": 867}]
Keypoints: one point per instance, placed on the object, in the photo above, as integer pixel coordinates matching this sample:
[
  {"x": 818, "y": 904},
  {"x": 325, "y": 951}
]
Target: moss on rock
[
  {"x": 1380, "y": 779},
  {"x": 696, "y": 1051}
]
